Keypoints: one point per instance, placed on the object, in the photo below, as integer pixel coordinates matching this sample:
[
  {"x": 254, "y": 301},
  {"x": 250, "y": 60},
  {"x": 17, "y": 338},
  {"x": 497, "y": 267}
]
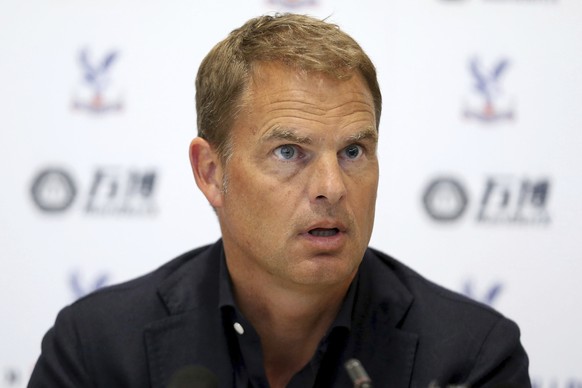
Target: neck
[{"x": 291, "y": 321}]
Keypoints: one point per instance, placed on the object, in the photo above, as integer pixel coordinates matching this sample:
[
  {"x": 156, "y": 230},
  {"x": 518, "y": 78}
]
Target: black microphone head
[{"x": 193, "y": 376}]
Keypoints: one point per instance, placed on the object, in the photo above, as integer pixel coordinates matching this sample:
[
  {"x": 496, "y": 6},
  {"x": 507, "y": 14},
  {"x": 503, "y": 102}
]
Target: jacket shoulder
[
  {"x": 459, "y": 339},
  {"x": 142, "y": 285},
  {"x": 432, "y": 297},
  {"x": 99, "y": 339}
]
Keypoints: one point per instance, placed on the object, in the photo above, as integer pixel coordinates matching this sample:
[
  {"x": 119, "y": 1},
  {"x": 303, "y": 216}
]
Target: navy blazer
[{"x": 408, "y": 333}]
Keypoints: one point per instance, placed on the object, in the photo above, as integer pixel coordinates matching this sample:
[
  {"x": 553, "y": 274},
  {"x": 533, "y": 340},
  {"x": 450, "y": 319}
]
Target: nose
[{"x": 327, "y": 181}]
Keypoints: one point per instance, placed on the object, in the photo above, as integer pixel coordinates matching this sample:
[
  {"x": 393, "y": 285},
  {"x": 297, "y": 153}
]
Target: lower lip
[{"x": 326, "y": 243}]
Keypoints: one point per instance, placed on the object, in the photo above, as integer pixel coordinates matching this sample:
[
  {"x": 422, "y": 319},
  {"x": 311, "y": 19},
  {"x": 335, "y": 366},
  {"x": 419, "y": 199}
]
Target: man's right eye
[{"x": 286, "y": 152}]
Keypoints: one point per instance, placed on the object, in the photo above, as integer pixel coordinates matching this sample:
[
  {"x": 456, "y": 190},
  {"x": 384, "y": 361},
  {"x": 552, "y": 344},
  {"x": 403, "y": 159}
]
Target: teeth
[{"x": 323, "y": 232}]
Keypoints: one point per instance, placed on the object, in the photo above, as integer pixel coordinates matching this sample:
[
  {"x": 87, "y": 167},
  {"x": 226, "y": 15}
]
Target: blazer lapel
[
  {"x": 187, "y": 340},
  {"x": 385, "y": 351},
  {"x": 389, "y": 359},
  {"x": 192, "y": 334}
]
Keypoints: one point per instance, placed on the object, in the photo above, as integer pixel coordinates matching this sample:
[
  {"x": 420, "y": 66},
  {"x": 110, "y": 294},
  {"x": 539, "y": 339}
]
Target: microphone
[
  {"x": 193, "y": 376},
  {"x": 358, "y": 374}
]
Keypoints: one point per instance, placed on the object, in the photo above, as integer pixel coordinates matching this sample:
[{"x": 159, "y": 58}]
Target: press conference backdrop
[{"x": 480, "y": 153}]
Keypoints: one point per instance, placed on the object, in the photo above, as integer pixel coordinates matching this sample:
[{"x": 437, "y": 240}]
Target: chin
[{"x": 327, "y": 275}]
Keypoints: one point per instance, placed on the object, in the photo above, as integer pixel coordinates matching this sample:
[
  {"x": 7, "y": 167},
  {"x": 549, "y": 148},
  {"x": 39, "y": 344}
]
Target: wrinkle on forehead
[
  {"x": 277, "y": 93},
  {"x": 272, "y": 72},
  {"x": 284, "y": 100}
]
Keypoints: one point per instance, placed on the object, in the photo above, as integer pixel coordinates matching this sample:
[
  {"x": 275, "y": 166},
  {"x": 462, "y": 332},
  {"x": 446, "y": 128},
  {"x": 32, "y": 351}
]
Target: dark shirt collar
[{"x": 225, "y": 291}]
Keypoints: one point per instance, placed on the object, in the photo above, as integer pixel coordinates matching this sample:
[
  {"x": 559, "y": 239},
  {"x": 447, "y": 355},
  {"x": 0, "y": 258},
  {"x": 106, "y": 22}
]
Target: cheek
[
  {"x": 268, "y": 184},
  {"x": 364, "y": 193},
  {"x": 257, "y": 195},
  {"x": 364, "y": 183}
]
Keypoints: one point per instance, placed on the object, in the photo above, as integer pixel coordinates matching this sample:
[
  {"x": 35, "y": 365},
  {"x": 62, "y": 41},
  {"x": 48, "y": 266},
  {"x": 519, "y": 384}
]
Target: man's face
[{"x": 298, "y": 208}]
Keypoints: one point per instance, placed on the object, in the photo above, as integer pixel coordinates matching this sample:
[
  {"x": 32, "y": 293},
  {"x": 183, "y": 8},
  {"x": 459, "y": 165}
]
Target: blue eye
[
  {"x": 286, "y": 152},
  {"x": 353, "y": 151}
]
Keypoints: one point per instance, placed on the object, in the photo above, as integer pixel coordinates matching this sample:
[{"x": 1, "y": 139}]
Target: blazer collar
[
  {"x": 385, "y": 350},
  {"x": 193, "y": 333}
]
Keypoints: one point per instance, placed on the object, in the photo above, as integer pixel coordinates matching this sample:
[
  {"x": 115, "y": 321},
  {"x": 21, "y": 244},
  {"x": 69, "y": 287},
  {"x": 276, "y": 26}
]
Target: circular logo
[
  {"x": 445, "y": 199},
  {"x": 53, "y": 190}
]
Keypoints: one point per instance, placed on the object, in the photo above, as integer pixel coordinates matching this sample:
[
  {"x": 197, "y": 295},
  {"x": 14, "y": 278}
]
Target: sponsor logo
[
  {"x": 505, "y": 199},
  {"x": 514, "y": 200},
  {"x": 80, "y": 288},
  {"x": 445, "y": 199},
  {"x": 120, "y": 191},
  {"x": 53, "y": 190},
  {"x": 293, "y": 3},
  {"x": 488, "y": 296},
  {"x": 488, "y": 102},
  {"x": 112, "y": 191},
  {"x": 95, "y": 94}
]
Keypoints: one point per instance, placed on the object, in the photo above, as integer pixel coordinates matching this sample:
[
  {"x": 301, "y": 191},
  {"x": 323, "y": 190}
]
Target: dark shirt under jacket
[
  {"x": 405, "y": 330},
  {"x": 245, "y": 346}
]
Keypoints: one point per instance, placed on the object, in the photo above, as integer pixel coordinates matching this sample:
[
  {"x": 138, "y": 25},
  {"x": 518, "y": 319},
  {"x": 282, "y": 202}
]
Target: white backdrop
[{"x": 479, "y": 144}]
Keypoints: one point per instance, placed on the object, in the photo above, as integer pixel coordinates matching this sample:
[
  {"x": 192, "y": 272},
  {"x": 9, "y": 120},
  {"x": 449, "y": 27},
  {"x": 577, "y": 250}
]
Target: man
[{"x": 288, "y": 113}]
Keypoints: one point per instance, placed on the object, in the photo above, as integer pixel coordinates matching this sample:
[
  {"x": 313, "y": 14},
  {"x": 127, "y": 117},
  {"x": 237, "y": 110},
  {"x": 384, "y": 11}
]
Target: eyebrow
[
  {"x": 290, "y": 134},
  {"x": 369, "y": 133}
]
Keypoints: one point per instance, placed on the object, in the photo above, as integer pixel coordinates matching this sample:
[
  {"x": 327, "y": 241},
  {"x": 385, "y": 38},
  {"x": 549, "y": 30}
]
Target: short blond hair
[{"x": 298, "y": 41}]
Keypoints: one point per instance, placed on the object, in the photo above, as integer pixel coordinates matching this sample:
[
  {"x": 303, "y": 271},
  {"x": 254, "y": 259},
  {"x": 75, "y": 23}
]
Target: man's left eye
[{"x": 352, "y": 151}]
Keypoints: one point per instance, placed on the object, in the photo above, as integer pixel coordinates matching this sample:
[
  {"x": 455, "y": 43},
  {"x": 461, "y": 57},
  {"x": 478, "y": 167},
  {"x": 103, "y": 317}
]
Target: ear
[{"x": 207, "y": 171}]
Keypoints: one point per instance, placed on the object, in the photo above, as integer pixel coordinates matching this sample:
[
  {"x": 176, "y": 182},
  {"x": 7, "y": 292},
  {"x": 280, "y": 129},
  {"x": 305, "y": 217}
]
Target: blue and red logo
[
  {"x": 488, "y": 101},
  {"x": 96, "y": 93}
]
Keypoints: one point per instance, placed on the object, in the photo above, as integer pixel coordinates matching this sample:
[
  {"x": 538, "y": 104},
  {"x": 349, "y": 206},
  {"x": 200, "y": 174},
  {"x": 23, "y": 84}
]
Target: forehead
[
  {"x": 277, "y": 90},
  {"x": 267, "y": 77}
]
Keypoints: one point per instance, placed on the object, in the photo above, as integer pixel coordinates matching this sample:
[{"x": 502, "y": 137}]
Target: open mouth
[{"x": 321, "y": 232}]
